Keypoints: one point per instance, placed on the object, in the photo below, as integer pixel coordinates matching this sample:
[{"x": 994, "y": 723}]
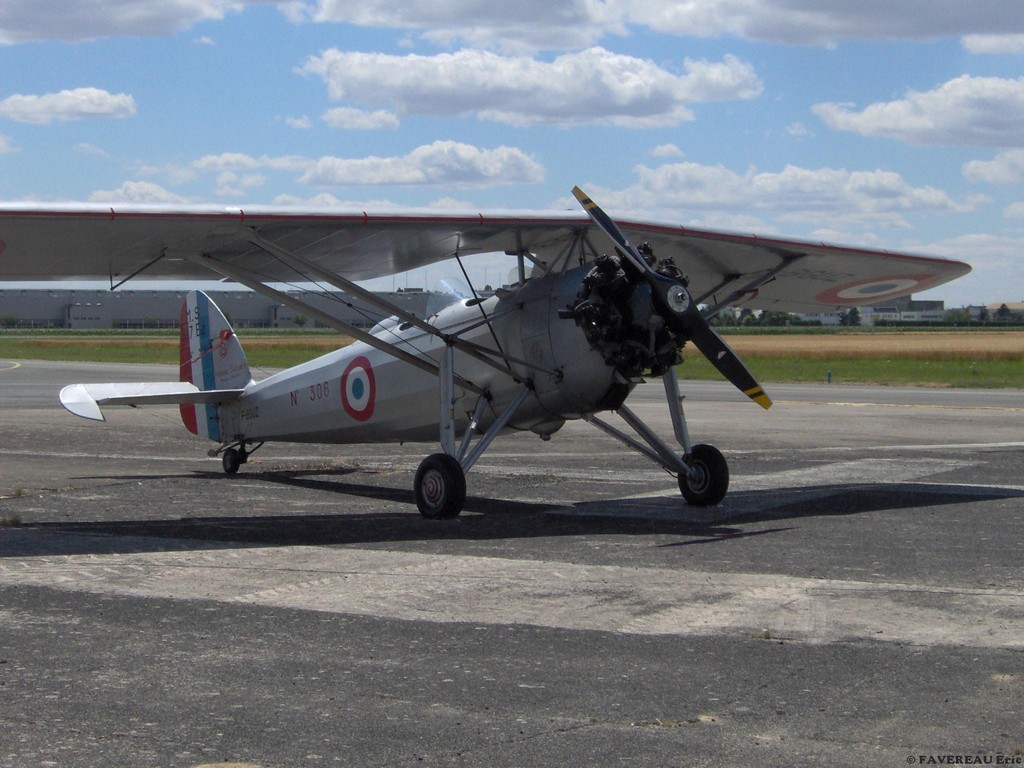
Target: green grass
[
  {"x": 268, "y": 350},
  {"x": 981, "y": 374},
  {"x": 277, "y": 349}
]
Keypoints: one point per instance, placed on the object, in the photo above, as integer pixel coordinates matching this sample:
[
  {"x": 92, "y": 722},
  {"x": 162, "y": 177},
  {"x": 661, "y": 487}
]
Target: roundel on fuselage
[{"x": 358, "y": 389}]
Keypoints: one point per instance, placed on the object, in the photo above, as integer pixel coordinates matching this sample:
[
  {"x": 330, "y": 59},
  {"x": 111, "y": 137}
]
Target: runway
[{"x": 858, "y": 598}]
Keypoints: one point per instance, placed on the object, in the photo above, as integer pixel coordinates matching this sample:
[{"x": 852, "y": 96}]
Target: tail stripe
[
  {"x": 206, "y": 363},
  {"x": 211, "y": 358},
  {"x": 188, "y": 411}
]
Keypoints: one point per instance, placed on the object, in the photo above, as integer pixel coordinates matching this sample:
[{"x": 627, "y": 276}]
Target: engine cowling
[{"x": 616, "y": 310}]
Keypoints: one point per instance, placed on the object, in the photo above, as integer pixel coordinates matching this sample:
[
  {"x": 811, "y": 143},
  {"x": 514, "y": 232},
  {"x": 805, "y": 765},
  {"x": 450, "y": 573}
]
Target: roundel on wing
[
  {"x": 358, "y": 389},
  {"x": 863, "y": 291}
]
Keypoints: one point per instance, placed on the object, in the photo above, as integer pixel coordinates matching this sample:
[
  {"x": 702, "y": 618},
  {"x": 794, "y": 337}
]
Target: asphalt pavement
[{"x": 857, "y": 599}]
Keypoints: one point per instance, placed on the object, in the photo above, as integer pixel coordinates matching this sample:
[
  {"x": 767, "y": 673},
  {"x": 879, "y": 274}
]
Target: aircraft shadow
[
  {"x": 852, "y": 499},
  {"x": 490, "y": 519}
]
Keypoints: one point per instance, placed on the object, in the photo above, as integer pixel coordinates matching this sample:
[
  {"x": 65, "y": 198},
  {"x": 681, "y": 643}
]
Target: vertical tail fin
[{"x": 211, "y": 358}]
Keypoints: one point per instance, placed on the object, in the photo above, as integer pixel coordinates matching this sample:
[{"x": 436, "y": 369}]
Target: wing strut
[
  {"x": 787, "y": 261},
  {"x": 453, "y": 340},
  {"x": 250, "y": 281}
]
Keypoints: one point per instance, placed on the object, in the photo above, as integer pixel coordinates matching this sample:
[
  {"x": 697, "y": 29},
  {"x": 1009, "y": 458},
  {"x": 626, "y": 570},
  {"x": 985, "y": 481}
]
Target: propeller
[{"x": 678, "y": 308}]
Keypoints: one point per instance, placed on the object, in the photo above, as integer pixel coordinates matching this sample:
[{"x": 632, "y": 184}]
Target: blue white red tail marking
[{"x": 211, "y": 358}]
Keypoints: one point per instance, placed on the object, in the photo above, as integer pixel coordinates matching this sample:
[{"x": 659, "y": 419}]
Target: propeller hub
[{"x": 677, "y": 298}]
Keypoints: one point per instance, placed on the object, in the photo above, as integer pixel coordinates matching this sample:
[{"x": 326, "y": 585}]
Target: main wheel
[
  {"x": 232, "y": 460},
  {"x": 440, "y": 487},
  {"x": 706, "y": 485}
]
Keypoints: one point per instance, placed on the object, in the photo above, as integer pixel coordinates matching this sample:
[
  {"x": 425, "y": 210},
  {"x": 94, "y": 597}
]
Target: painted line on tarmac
[
  {"x": 443, "y": 589},
  {"x": 826, "y": 449},
  {"x": 912, "y": 406}
]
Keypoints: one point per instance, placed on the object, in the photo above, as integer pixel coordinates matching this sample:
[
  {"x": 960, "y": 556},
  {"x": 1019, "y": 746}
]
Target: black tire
[
  {"x": 232, "y": 460},
  {"x": 440, "y": 487},
  {"x": 710, "y": 480}
]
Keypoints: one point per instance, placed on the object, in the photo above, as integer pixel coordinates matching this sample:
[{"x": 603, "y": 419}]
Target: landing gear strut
[
  {"x": 440, "y": 483},
  {"x": 702, "y": 470}
]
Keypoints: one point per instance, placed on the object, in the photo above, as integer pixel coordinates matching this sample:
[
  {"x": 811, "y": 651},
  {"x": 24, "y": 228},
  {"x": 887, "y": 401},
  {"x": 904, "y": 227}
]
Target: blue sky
[{"x": 880, "y": 124}]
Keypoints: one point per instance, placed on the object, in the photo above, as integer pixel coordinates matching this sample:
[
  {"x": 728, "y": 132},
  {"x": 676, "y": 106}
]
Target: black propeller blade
[{"x": 680, "y": 311}]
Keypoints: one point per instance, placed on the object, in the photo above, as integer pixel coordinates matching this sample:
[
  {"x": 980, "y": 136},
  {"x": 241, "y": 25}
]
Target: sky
[{"x": 896, "y": 125}]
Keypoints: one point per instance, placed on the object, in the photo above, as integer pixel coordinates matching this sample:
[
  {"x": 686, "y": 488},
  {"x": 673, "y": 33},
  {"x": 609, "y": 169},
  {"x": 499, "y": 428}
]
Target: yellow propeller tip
[{"x": 758, "y": 396}]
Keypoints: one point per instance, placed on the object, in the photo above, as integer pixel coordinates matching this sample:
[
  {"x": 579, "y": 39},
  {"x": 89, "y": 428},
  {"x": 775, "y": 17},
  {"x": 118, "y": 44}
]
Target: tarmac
[{"x": 857, "y": 599}]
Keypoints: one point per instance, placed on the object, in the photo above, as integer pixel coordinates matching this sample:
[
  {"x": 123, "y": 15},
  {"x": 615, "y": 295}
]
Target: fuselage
[{"x": 361, "y": 394}]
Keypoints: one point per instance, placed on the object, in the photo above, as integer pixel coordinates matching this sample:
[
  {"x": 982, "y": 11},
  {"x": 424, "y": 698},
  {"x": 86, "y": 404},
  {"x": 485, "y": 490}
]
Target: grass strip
[{"x": 940, "y": 359}]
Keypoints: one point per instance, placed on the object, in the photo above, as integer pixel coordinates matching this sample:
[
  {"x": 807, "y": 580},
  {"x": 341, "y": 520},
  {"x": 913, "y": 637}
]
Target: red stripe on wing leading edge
[{"x": 188, "y": 412}]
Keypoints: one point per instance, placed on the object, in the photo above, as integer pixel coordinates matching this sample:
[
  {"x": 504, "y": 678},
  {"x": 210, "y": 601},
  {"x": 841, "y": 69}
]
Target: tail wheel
[
  {"x": 708, "y": 480},
  {"x": 232, "y": 459},
  {"x": 440, "y": 487}
]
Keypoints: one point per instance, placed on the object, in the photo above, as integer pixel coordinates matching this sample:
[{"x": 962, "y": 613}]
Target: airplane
[{"x": 589, "y": 317}]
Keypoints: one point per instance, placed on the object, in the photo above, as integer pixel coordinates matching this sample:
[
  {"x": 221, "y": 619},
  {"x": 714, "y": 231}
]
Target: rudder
[{"x": 211, "y": 358}]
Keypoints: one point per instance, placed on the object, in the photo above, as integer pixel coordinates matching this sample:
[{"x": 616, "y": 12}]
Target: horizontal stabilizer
[{"x": 85, "y": 399}]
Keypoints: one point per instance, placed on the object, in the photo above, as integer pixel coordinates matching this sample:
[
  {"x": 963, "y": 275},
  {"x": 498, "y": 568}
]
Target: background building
[{"x": 127, "y": 308}]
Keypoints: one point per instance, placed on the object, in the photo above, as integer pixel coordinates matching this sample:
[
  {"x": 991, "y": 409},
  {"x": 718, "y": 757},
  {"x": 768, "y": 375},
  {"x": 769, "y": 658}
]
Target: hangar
[{"x": 134, "y": 308}]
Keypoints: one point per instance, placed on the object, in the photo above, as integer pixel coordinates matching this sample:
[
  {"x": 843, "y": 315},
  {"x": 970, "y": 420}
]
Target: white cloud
[
  {"x": 91, "y": 149},
  {"x": 541, "y": 24},
  {"x": 575, "y": 24},
  {"x": 137, "y": 192},
  {"x": 1006, "y": 168},
  {"x": 537, "y": 24},
  {"x": 666, "y": 150},
  {"x": 302, "y": 123},
  {"x": 827, "y": 195},
  {"x": 76, "y": 20},
  {"x": 75, "y": 104},
  {"x": 326, "y": 200},
  {"x": 359, "y": 120},
  {"x": 994, "y": 43},
  {"x": 798, "y": 130},
  {"x": 971, "y": 111},
  {"x": 231, "y": 184},
  {"x": 443, "y": 163},
  {"x": 592, "y": 86},
  {"x": 824, "y": 21},
  {"x": 450, "y": 204},
  {"x": 5, "y": 145},
  {"x": 1014, "y": 211},
  {"x": 992, "y": 256},
  {"x": 238, "y": 161}
]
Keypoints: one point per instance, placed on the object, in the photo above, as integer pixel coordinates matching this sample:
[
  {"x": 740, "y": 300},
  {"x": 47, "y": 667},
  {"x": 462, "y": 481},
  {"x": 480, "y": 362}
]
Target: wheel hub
[{"x": 433, "y": 488}]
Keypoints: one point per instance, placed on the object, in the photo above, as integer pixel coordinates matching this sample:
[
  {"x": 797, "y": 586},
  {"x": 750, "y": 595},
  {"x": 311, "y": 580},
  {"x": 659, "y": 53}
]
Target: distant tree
[
  {"x": 1003, "y": 313},
  {"x": 983, "y": 315},
  {"x": 958, "y": 316},
  {"x": 775, "y": 318},
  {"x": 300, "y": 320},
  {"x": 9, "y": 321},
  {"x": 851, "y": 317}
]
